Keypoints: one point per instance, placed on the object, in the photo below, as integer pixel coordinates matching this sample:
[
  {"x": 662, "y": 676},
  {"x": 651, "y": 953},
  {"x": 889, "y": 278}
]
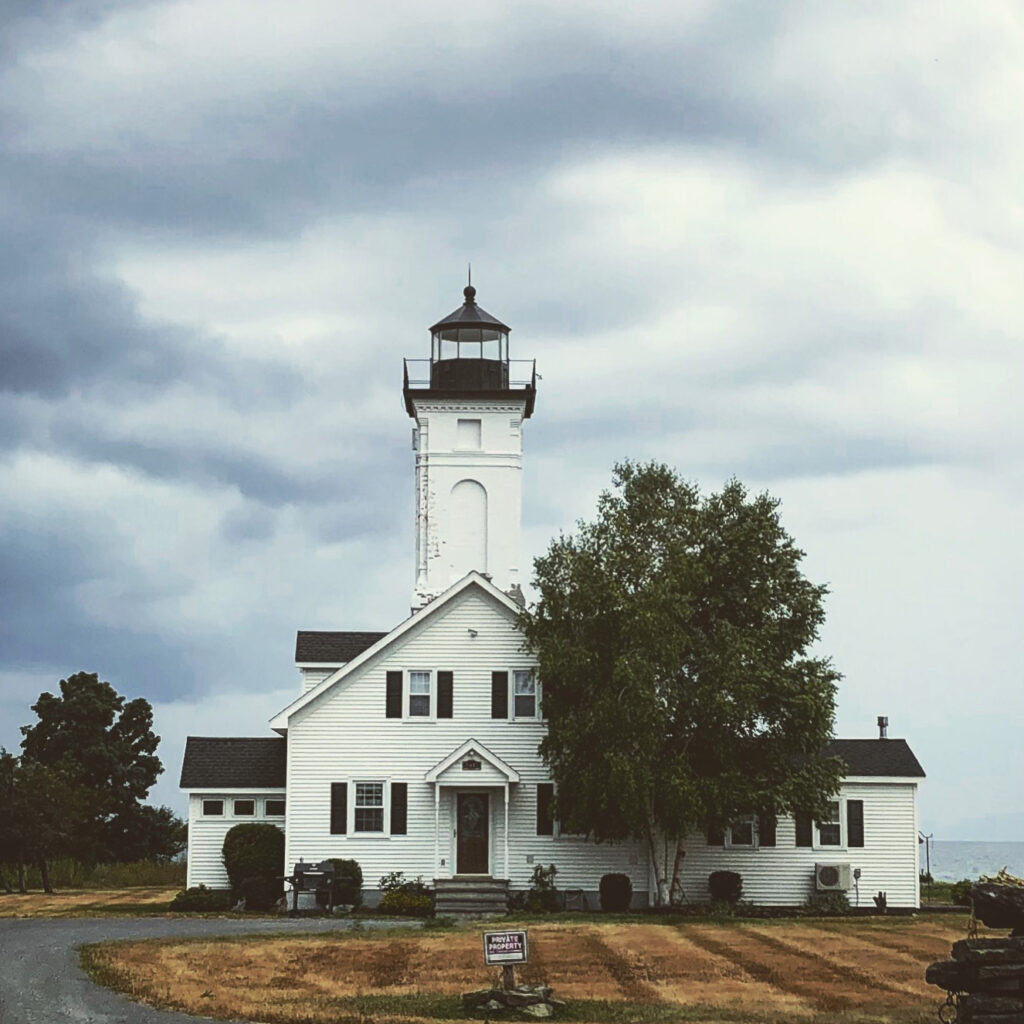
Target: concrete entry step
[{"x": 470, "y": 897}]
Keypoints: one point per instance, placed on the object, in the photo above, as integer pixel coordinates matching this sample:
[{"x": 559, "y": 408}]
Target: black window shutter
[
  {"x": 854, "y": 822},
  {"x": 545, "y": 807},
  {"x": 804, "y": 834},
  {"x": 444, "y": 694},
  {"x": 766, "y": 830},
  {"x": 399, "y": 803},
  {"x": 339, "y": 808},
  {"x": 499, "y": 695},
  {"x": 393, "y": 700},
  {"x": 716, "y": 836}
]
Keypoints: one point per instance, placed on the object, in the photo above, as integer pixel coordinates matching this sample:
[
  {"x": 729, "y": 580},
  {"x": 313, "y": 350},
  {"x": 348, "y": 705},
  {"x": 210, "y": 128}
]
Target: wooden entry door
[{"x": 474, "y": 826}]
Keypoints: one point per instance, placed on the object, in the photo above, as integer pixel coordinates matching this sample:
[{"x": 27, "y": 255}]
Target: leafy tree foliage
[
  {"x": 104, "y": 748},
  {"x": 672, "y": 634}
]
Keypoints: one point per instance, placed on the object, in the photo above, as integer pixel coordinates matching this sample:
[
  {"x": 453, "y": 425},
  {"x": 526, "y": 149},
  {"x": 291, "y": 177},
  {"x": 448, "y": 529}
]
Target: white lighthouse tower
[{"x": 469, "y": 401}]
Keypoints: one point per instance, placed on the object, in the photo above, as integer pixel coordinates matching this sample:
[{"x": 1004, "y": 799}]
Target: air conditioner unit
[{"x": 832, "y": 877}]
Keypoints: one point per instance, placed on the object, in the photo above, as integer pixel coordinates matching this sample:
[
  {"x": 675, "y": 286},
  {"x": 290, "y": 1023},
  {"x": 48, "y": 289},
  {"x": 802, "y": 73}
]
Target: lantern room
[{"x": 469, "y": 349}]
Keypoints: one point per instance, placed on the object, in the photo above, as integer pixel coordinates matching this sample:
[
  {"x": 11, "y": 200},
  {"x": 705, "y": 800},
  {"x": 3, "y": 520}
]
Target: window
[
  {"x": 245, "y": 808},
  {"x": 369, "y": 807},
  {"x": 741, "y": 833},
  {"x": 275, "y": 808},
  {"x": 830, "y": 829},
  {"x": 212, "y": 808},
  {"x": 419, "y": 694},
  {"x": 524, "y": 683}
]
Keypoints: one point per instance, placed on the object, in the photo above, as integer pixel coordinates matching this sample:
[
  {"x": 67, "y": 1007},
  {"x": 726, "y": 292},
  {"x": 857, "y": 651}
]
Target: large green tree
[
  {"x": 105, "y": 746},
  {"x": 673, "y": 635}
]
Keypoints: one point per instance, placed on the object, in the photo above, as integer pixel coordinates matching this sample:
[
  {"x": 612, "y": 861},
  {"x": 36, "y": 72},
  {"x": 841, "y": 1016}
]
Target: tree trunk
[
  {"x": 676, "y": 894},
  {"x": 660, "y": 883},
  {"x": 21, "y": 878},
  {"x": 44, "y": 871},
  {"x": 5, "y": 881}
]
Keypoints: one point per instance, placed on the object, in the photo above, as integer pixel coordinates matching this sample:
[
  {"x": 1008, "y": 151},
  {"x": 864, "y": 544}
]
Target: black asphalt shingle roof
[
  {"x": 312, "y": 646},
  {"x": 877, "y": 757},
  {"x": 234, "y": 762}
]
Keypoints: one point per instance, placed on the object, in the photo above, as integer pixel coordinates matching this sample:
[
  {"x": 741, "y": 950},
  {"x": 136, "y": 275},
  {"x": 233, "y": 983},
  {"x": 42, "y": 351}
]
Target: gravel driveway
[{"x": 41, "y": 982}]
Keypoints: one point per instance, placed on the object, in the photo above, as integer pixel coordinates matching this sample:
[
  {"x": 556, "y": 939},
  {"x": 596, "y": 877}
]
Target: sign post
[{"x": 507, "y": 949}]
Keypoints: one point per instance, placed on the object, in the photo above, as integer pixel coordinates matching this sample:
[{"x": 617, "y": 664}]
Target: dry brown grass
[
  {"x": 852, "y": 971},
  {"x": 84, "y": 902}
]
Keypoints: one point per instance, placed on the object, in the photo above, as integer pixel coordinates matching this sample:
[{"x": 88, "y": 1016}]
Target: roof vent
[{"x": 883, "y": 727}]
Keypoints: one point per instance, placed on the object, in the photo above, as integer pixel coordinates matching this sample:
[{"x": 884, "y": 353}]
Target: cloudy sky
[{"x": 778, "y": 241}]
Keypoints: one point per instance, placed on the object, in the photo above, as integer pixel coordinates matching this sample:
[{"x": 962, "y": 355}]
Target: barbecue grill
[{"x": 312, "y": 886}]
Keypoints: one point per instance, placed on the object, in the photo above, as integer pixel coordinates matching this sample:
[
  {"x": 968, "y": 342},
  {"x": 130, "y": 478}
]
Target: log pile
[{"x": 986, "y": 976}]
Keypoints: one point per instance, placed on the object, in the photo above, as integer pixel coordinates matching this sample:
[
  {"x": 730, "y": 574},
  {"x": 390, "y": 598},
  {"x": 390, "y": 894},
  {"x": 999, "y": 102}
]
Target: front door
[{"x": 474, "y": 822}]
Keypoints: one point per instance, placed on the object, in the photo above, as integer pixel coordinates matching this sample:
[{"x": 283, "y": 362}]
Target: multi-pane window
[
  {"x": 830, "y": 829},
  {"x": 419, "y": 694},
  {"x": 524, "y": 692},
  {"x": 369, "y": 807},
  {"x": 275, "y": 808},
  {"x": 245, "y": 808},
  {"x": 741, "y": 833}
]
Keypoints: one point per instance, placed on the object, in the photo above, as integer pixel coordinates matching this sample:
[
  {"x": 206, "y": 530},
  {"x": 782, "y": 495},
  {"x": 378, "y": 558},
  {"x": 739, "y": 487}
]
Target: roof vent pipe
[{"x": 883, "y": 727}]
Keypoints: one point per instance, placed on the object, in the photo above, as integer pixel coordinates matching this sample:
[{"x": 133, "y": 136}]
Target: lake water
[{"x": 953, "y": 860}]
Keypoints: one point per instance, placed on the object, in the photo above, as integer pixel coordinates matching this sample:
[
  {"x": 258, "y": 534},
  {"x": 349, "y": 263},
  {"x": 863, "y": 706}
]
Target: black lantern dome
[{"x": 469, "y": 349}]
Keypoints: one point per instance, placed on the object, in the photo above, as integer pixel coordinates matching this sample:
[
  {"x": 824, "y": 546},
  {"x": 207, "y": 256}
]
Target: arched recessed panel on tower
[{"x": 467, "y": 525}]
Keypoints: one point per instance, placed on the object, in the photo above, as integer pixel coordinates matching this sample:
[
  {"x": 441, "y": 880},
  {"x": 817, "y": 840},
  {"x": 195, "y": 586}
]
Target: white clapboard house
[{"x": 415, "y": 750}]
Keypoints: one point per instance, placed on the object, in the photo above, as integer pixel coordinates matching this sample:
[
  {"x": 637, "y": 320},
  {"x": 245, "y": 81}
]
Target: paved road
[{"x": 41, "y": 982}]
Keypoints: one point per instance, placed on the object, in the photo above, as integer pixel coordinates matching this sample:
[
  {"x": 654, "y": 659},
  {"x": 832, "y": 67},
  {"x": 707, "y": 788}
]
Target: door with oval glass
[{"x": 474, "y": 821}]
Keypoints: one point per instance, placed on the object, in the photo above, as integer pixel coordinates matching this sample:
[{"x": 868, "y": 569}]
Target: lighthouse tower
[{"x": 469, "y": 401}]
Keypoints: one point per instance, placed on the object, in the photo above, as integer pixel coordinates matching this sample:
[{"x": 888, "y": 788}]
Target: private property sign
[{"x": 505, "y": 947}]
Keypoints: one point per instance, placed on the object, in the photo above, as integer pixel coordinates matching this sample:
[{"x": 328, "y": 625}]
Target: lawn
[
  {"x": 849, "y": 970},
  {"x": 88, "y": 902}
]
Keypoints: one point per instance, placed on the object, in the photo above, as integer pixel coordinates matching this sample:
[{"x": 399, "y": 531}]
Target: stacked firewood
[{"x": 985, "y": 977}]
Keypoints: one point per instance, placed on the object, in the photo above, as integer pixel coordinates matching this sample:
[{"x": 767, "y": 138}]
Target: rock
[
  {"x": 538, "y": 1010},
  {"x": 998, "y": 906}
]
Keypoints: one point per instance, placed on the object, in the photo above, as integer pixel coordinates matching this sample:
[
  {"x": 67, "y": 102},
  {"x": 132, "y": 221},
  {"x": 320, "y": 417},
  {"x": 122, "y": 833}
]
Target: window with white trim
[
  {"x": 525, "y": 703},
  {"x": 368, "y": 809},
  {"x": 420, "y": 693},
  {"x": 245, "y": 808},
  {"x": 830, "y": 829},
  {"x": 741, "y": 832},
  {"x": 213, "y": 808},
  {"x": 275, "y": 808}
]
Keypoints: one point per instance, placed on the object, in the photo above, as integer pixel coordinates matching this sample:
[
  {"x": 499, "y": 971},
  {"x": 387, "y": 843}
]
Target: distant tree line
[{"x": 76, "y": 789}]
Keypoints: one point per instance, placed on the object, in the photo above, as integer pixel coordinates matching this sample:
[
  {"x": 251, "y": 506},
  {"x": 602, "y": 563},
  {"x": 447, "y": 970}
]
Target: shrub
[
  {"x": 725, "y": 886},
  {"x": 616, "y": 892},
  {"x": 960, "y": 892},
  {"x": 348, "y": 882},
  {"x": 255, "y": 849},
  {"x": 201, "y": 898},
  {"x": 409, "y": 897},
  {"x": 260, "y": 892},
  {"x": 542, "y": 896},
  {"x": 828, "y": 904},
  {"x": 408, "y": 904}
]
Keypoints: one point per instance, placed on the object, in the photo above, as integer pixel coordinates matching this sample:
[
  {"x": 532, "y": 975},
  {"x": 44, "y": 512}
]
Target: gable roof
[
  {"x": 234, "y": 762},
  {"x": 331, "y": 648},
  {"x": 888, "y": 757},
  {"x": 471, "y": 579}
]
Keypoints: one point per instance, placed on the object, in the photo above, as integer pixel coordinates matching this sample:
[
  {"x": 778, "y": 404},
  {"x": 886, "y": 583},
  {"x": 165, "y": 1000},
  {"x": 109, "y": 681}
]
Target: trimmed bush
[
  {"x": 348, "y": 882},
  {"x": 201, "y": 898},
  {"x": 260, "y": 892},
  {"x": 725, "y": 886},
  {"x": 253, "y": 850},
  {"x": 616, "y": 892}
]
